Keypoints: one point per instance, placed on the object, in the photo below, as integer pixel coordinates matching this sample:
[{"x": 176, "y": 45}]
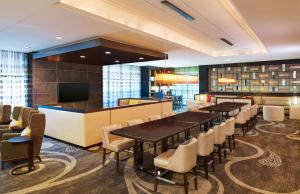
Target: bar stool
[
  {"x": 241, "y": 120},
  {"x": 230, "y": 132},
  {"x": 255, "y": 113},
  {"x": 252, "y": 116},
  {"x": 206, "y": 148},
  {"x": 182, "y": 160},
  {"x": 114, "y": 143},
  {"x": 220, "y": 140}
]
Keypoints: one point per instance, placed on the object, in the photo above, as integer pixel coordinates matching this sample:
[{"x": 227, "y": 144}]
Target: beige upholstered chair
[
  {"x": 114, "y": 143},
  {"x": 220, "y": 140},
  {"x": 154, "y": 117},
  {"x": 206, "y": 148},
  {"x": 241, "y": 119},
  {"x": 273, "y": 113},
  {"x": 182, "y": 160},
  {"x": 169, "y": 114},
  {"x": 10, "y": 152},
  {"x": 5, "y": 111},
  {"x": 248, "y": 117},
  {"x": 134, "y": 122},
  {"x": 230, "y": 132},
  {"x": 255, "y": 113}
]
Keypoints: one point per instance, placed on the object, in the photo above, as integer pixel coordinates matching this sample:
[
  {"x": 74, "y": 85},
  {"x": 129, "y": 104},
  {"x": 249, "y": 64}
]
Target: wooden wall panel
[{"x": 46, "y": 75}]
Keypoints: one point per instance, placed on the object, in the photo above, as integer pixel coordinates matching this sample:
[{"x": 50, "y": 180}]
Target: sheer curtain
[
  {"x": 120, "y": 81},
  {"x": 13, "y": 78}
]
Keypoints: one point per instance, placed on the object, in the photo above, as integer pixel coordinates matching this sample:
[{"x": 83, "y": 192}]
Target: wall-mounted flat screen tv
[{"x": 73, "y": 92}]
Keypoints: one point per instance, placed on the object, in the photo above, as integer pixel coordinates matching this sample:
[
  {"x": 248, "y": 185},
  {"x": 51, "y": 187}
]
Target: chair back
[
  {"x": 241, "y": 117},
  {"x": 26, "y": 116},
  {"x": 230, "y": 126},
  {"x": 5, "y": 112},
  {"x": 252, "y": 111},
  {"x": 106, "y": 136},
  {"x": 220, "y": 133},
  {"x": 185, "y": 157},
  {"x": 248, "y": 111},
  {"x": 37, "y": 125},
  {"x": 206, "y": 143},
  {"x": 134, "y": 122},
  {"x": 255, "y": 109},
  {"x": 154, "y": 117},
  {"x": 169, "y": 114},
  {"x": 17, "y": 113}
]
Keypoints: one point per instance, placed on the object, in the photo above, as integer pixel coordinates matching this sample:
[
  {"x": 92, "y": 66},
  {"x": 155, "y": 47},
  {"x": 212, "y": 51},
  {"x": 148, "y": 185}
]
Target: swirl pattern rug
[{"x": 265, "y": 161}]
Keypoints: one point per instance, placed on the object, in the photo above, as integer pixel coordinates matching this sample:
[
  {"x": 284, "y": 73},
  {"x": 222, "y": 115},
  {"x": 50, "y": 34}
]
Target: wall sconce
[
  {"x": 294, "y": 74},
  {"x": 283, "y": 67}
]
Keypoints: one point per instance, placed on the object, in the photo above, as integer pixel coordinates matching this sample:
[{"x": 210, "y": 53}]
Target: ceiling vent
[
  {"x": 226, "y": 41},
  {"x": 178, "y": 10}
]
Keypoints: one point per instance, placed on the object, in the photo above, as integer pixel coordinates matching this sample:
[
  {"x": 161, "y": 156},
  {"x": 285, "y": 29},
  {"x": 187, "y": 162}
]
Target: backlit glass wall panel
[
  {"x": 13, "y": 78},
  {"x": 186, "y": 90},
  {"x": 120, "y": 81}
]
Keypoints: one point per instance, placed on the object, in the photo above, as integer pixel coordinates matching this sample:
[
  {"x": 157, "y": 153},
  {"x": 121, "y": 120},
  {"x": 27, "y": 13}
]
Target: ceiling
[{"x": 259, "y": 29}]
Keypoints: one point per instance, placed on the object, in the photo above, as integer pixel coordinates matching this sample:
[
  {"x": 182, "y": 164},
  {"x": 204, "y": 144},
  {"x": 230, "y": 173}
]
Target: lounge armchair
[{"x": 5, "y": 111}]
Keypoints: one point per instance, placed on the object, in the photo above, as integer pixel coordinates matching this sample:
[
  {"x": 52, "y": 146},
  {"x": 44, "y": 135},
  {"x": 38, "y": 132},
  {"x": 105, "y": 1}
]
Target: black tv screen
[{"x": 73, "y": 92}]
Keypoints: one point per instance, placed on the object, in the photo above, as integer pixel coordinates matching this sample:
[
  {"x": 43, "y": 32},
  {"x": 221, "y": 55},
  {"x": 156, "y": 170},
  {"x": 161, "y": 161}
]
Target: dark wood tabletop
[
  {"x": 161, "y": 129},
  {"x": 225, "y": 107},
  {"x": 154, "y": 131},
  {"x": 197, "y": 117}
]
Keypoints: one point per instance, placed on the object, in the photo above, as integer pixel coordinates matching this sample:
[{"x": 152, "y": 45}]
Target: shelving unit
[{"x": 281, "y": 78}]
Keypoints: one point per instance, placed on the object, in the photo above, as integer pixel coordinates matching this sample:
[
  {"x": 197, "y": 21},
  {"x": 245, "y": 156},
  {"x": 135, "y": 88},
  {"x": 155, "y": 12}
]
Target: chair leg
[
  {"x": 154, "y": 145},
  {"x": 213, "y": 163},
  {"x": 233, "y": 139},
  {"x": 103, "y": 156},
  {"x": 172, "y": 140},
  {"x": 2, "y": 165},
  {"x": 195, "y": 174},
  {"x": 224, "y": 147},
  {"x": 155, "y": 178},
  {"x": 205, "y": 167},
  {"x": 243, "y": 129},
  {"x": 220, "y": 154},
  {"x": 185, "y": 183},
  {"x": 39, "y": 158},
  {"x": 117, "y": 162}
]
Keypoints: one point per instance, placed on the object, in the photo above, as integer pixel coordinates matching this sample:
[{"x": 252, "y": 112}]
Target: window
[
  {"x": 187, "y": 90},
  {"x": 120, "y": 81},
  {"x": 13, "y": 78}
]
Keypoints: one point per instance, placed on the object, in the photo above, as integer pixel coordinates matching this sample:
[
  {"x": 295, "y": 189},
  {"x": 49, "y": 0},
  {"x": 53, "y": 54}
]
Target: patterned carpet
[{"x": 266, "y": 161}]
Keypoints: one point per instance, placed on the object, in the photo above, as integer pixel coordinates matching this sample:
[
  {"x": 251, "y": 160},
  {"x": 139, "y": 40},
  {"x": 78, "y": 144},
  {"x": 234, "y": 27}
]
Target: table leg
[{"x": 164, "y": 145}]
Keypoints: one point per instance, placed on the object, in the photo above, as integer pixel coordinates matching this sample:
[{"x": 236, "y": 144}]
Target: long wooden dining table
[{"x": 160, "y": 130}]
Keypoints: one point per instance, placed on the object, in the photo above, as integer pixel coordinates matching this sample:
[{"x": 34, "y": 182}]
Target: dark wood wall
[{"x": 46, "y": 75}]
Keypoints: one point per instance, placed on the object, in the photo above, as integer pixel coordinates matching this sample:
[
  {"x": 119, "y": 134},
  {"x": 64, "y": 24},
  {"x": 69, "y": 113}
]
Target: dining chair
[
  {"x": 252, "y": 115},
  {"x": 134, "y": 122},
  {"x": 154, "y": 117},
  {"x": 241, "y": 120},
  {"x": 255, "y": 113},
  {"x": 169, "y": 114},
  {"x": 205, "y": 149},
  {"x": 5, "y": 112},
  {"x": 114, "y": 143},
  {"x": 230, "y": 132},
  {"x": 220, "y": 140},
  {"x": 248, "y": 117},
  {"x": 182, "y": 160}
]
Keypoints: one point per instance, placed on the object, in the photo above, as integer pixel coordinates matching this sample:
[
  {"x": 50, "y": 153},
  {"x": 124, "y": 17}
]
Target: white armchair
[
  {"x": 206, "y": 148},
  {"x": 241, "y": 120},
  {"x": 114, "y": 143},
  {"x": 220, "y": 140},
  {"x": 182, "y": 160},
  {"x": 230, "y": 132}
]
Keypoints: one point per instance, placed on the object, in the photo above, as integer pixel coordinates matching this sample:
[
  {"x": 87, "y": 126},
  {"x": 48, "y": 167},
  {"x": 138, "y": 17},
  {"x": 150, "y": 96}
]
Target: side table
[{"x": 28, "y": 142}]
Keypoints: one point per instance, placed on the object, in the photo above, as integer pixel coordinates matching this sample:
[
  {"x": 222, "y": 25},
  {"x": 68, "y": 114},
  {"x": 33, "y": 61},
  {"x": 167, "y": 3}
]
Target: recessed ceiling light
[
  {"x": 107, "y": 52},
  {"x": 26, "y": 47},
  {"x": 58, "y": 37},
  {"x": 117, "y": 61},
  {"x": 82, "y": 56},
  {"x": 141, "y": 58}
]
